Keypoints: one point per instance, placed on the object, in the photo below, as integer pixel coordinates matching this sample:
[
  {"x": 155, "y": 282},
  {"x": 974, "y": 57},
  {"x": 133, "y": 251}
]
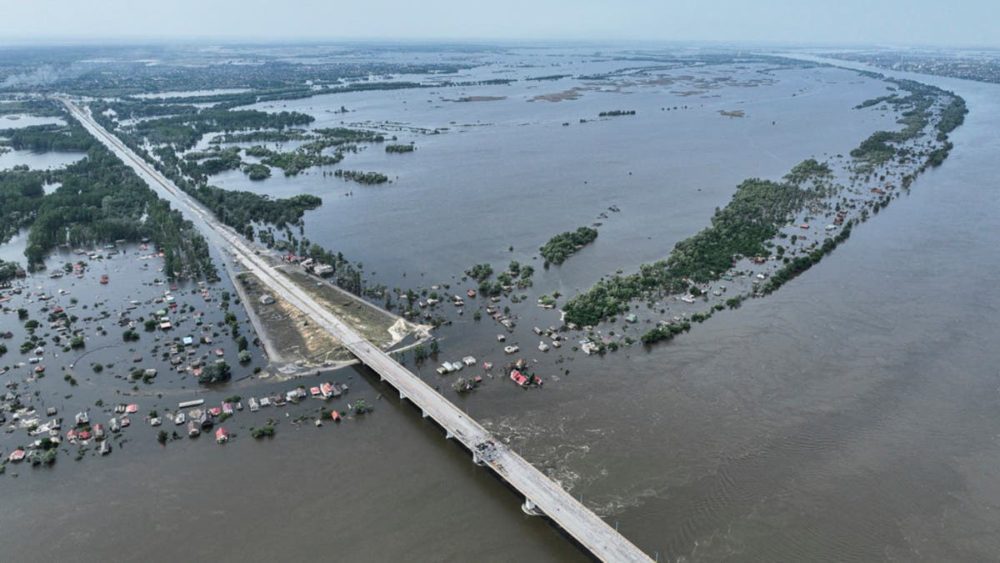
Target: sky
[{"x": 822, "y": 22}]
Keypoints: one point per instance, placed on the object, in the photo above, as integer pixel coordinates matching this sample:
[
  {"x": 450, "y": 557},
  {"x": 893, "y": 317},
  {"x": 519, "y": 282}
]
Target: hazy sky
[{"x": 941, "y": 22}]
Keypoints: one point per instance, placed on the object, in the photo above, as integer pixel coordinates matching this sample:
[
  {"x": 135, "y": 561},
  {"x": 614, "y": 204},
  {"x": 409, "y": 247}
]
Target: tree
[
  {"x": 8, "y": 271},
  {"x": 419, "y": 353},
  {"x": 480, "y": 272},
  {"x": 361, "y": 407},
  {"x": 266, "y": 431},
  {"x": 217, "y": 372},
  {"x": 561, "y": 246}
]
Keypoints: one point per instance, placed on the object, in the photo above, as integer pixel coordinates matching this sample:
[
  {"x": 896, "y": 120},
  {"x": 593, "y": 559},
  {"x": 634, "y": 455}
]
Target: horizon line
[{"x": 135, "y": 40}]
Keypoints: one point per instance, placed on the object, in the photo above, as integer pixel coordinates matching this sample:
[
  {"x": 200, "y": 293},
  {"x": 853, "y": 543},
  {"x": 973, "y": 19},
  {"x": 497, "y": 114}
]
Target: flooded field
[
  {"x": 37, "y": 161},
  {"x": 850, "y": 416},
  {"x": 19, "y": 121}
]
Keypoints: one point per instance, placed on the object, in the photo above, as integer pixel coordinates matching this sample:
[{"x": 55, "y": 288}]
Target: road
[{"x": 542, "y": 495}]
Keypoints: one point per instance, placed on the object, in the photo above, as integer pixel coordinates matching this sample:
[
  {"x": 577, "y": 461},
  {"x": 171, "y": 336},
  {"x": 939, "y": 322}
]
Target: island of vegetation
[
  {"x": 548, "y": 77},
  {"x": 309, "y": 154},
  {"x": 366, "y": 178},
  {"x": 399, "y": 148},
  {"x": 293, "y": 162},
  {"x": 201, "y": 165},
  {"x": 616, "y": 113},
  {"x": 257, "y": 172},
  {"x": 564, "y": 245},
  {"x": 266, "y": 431}
]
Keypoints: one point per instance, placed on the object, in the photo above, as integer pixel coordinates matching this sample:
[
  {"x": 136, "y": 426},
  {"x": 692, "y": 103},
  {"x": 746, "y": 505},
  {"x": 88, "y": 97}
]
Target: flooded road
[{"x": 850, "y": 416}]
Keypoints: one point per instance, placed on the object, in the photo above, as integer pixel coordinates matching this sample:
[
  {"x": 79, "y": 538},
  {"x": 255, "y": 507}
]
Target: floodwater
[
  {"x": 851, "y": 416},
  {"x": 191, "y": 93},
  {"x": 509, "y": 173},
  {"x": 38, "y": 161},
  {"x": 20, "y": 121},
  {"x": 13, "y": 249}
]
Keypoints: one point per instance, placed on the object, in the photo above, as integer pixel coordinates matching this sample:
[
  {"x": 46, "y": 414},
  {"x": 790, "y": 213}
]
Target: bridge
[{"x": 542, "y": 495}]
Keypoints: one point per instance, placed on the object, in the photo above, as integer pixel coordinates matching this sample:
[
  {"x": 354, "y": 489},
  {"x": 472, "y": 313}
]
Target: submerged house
[{"x": 517, "y": 377}]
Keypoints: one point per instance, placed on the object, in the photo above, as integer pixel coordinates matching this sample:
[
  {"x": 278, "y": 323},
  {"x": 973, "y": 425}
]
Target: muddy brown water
[{"x": 851, "y": 416}]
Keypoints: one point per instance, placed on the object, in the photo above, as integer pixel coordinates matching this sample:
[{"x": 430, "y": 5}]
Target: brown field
[
  {"x": 290, "y": 337},
  {"x": 378, "y": 326},
  {"x": 571, "y": 94}
]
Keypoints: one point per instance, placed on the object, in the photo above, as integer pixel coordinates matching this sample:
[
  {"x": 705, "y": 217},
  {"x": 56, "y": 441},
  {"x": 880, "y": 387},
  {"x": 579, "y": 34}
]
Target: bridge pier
[
  {"x": 424, "y": 414},
  {"x": 448, "y": 435},
  {"x": 477, "y": 460},
  {"x": 402, "y": 396},
  {"x": 530, "y": 509}
]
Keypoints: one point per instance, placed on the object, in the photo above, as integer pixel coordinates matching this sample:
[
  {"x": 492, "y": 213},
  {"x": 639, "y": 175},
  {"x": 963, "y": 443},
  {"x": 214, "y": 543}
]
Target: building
[{"x": 519, "y": 378}]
